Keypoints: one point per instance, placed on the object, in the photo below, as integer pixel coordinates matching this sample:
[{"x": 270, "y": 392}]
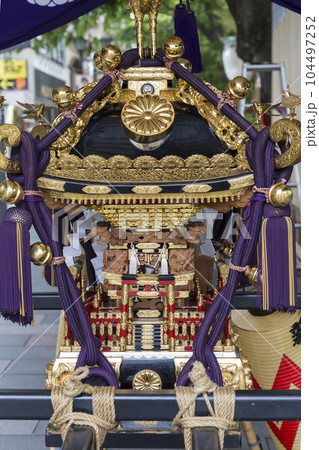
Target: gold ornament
[
  {"x": 147, "y": 380},
  {"x": 139, "y": 9},
  {"x": 107, "y": 58},
  {"x": 226, "y": 249},
  {"x": 148, "y": 189},
  {"x": 280, "y": 195},
  {"x": 97, "y": 58},
  {"x": 148, "y": 118},
  {"x": 185, "y": 63},
  {"x": 174, "y": 47},
  {"x": 36, "y": 111},
  {"x": 10, "y": 135},
  {"x": 11, "y": 192},
  {"x": 63, "y": 97},
  {"x": 63, "y": 377},
  {"x": 286, "y": 130},
  {"x": 252, "y": 276},
  {"x": 258, "y": 109},
  {"x": 239, "y": 87},
  {"x": 41, "y": 254},
  {"x": 40, "y": 131},
  {"x": 291, "y": 101},
  {"x": 72, "y": 135}
]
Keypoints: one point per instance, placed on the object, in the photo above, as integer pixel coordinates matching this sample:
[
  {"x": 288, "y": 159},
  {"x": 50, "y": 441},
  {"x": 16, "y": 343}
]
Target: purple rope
[
  {"x": 69, "y": 294},
  {"x": 256, "y": 197},
  {"x": 35, "y": 157},
  {"x": 33, "y": 198},
  {"x": 127, "y": 60},
  {"x": 211, "y": 96},
  {"x": 219, "y": 310}
]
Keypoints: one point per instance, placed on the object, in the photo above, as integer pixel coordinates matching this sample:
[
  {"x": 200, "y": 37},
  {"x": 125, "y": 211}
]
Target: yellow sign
[{"x": 13, "y": 69}]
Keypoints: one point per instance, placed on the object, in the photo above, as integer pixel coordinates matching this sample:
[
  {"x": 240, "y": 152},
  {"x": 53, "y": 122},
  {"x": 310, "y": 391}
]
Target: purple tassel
[
  {"x": 180, "y": 18},
  {"x": 277, "y": 261},
  {"x": 15, "y": 267},
  {"x": 186, "y": 29}
]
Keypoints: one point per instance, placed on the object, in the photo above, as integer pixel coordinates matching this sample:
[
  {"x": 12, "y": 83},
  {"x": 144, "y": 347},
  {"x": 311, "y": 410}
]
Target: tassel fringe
[
  {"x": 15, "y": 268},
  {"x": 277, "y": 263},
  {"x": 186, "y": 29}
]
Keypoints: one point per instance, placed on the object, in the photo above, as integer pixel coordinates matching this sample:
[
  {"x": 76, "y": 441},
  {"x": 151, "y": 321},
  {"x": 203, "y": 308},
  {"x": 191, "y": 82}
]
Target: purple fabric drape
[
  {"x": 293, "y": 5},
  {"x": 21, "y": 20}
]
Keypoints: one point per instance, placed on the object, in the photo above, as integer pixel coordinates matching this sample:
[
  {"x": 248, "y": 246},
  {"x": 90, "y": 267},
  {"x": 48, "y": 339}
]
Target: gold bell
[
  {"x": 238, "y": 88},
  {"x": 97, "y": 58},
  {"x": 63, "y": 97},
  {"x": 280, "y": 195},
  {"x": 252, "y": 276},
  {"x": 11, "y": 192},
  {"x": 185, "y": 63},
  {"x": 41, "y": 254},
  {"x": 108, "y": 58},
  {"x": 174, "y": 47}
]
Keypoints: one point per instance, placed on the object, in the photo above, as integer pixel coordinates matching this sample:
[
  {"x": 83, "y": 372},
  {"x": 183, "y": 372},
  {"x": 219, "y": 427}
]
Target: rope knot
[
  {"x": 114, "y": 73},
  {"x": 71, "y": 113},
  {"x": 224, "y": 99},
  {"x": 73, "y": 384},
  {"x": 57, "y": 261},
  {"x": 202, "y": 383},
  {"x": 224, "y": 405},
  {"x": 262, "y": 190},
  {"x": 168, "y": 63},
  {"x": 32, "y": 196},
  {"x": 103, "y": 417}
]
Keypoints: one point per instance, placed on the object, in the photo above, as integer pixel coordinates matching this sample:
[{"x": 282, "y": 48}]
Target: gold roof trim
[
  {"x": 112, "y": 206},
  {"x": 195, "y": 188},
  {"x": 96, "y": 189},
  {"x": 144, "y": 169},
  {"x": 147, "y": 73},
  {"x": 149, "y": 189}
]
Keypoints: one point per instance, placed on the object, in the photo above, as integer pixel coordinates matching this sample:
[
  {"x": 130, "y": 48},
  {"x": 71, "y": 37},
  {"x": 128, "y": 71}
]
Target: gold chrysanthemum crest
[{"x": 148, "y": 117}]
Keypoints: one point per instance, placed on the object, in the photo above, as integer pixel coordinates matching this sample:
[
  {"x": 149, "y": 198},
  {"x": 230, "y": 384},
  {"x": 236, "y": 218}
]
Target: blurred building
[
  {"x": 28, "y": 76},
  {"x": 286, "y": 47}
]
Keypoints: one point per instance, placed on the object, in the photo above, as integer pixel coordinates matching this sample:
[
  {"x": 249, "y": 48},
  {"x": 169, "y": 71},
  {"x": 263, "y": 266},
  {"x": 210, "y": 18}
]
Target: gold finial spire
[{"x": 140, "y": 8}]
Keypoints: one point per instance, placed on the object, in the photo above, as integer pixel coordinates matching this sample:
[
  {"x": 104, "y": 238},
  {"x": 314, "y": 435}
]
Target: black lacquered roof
[{"x": 105, "y": 136}]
